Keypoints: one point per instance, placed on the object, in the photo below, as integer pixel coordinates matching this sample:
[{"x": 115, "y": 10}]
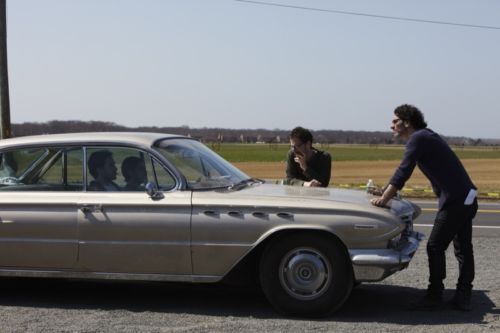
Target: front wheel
[{"x": 306, "y": 274}]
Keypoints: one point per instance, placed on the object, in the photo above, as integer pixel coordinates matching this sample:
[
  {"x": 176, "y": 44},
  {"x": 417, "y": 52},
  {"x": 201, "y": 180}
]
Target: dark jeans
[{"x": 453, "y": 223}]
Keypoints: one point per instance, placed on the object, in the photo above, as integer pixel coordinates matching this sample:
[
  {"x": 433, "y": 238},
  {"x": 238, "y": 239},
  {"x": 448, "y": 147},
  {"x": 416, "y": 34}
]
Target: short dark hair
[
  {"x": 129, "y": 164},
  {"x": 411, "y": 114},
  {"x": 301, "y": 133},
  {"x": 97, "y": 160}
]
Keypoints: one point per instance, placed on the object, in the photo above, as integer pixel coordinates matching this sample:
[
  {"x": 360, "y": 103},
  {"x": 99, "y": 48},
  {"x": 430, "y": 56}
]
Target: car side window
[
  {"x": 42, "y": 169},
  {"x": 164, "y": 179},
  {"x": 123, "y": 169},
  {"x": 13, "y": 164},
  {"x": 66, "y": 170},
  {"x": 74, "y": 167}
]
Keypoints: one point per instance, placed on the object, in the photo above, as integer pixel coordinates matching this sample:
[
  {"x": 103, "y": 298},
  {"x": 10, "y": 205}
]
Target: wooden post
[{"x": 5, "y": 127}]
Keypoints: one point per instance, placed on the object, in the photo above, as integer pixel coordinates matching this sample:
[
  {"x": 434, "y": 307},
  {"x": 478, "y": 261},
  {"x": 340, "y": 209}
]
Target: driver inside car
[{"x": 102, "y": 167}]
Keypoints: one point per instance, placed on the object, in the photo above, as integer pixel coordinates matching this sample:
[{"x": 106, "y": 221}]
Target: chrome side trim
[{"x": 109, "y": 276}]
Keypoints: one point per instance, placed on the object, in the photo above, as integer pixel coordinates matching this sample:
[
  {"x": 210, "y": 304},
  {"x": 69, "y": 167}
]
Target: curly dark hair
[
  {"x": 411, "y": 114},
  {"x": 301, "y": 133}
]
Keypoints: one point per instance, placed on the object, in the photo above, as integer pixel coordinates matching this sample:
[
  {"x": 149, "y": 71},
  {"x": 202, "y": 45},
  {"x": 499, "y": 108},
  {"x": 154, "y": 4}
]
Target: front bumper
[{"x": 375, "y": 265}]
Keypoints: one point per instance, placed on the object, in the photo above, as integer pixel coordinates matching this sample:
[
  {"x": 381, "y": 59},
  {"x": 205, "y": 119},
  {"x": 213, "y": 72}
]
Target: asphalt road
[
  {"x": 486, "y": 222},
  {"x": 40, "y": 305}
]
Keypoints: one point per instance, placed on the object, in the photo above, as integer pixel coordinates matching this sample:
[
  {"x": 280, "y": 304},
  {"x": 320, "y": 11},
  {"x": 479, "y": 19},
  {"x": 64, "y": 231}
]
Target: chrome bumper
[{"x": 375, "y": 265}]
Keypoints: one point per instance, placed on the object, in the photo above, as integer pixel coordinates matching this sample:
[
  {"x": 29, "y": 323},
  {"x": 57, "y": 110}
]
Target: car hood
[{"x": 304, "y": 198}]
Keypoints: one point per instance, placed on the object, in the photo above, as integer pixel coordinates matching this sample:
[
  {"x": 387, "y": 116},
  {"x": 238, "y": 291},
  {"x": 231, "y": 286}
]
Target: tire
[{"x": 306, "y": 274}]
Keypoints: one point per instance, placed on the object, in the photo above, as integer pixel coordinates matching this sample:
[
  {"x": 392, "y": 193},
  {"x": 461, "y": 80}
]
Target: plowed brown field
[{"x": 485, "y": 173}]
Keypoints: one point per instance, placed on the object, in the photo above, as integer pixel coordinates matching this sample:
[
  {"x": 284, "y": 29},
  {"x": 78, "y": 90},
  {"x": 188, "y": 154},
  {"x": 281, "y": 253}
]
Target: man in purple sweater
[{"x": 457, "y": 204}]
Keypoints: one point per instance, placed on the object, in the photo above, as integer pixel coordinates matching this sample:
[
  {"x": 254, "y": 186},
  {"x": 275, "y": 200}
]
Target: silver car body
[{"x": 188, "y": 235}]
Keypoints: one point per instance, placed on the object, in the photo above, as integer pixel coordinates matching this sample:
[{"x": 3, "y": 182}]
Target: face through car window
[{"x": 123, "y": 169}]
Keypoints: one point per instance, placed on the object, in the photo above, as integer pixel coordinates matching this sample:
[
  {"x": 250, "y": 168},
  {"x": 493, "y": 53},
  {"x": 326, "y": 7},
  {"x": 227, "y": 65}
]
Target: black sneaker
[
  {"x": 461, "y": 300},
  {"x": 427, "y": 303}
]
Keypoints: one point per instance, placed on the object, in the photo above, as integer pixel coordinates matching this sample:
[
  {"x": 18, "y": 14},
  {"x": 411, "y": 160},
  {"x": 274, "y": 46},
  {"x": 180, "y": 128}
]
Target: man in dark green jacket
[{"x": 306, "y": 166}]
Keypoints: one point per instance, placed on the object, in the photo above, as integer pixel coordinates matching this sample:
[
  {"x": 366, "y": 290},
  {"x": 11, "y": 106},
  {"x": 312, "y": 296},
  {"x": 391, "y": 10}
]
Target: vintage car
[{"x": 149, "y": 206}]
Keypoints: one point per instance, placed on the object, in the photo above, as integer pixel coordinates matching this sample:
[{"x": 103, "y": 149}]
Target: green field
[{"x": 277, "y": 153}]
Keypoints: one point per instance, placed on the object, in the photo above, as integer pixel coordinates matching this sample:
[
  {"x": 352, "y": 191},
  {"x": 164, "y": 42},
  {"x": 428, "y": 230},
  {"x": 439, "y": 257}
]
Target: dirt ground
[{"x": 485, "y": 173}]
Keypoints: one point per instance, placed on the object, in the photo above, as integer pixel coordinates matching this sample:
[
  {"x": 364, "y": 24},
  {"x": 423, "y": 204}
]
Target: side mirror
[{"x": 152, "y": 191}]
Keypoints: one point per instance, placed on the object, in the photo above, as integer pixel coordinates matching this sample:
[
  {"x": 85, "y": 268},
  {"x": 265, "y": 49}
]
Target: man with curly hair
[{"x": 457, "y": 204}]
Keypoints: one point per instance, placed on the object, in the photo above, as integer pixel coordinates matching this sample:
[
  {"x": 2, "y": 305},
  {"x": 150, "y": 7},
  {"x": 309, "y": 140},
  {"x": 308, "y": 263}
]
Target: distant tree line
[{"x": 228, "y": 135}]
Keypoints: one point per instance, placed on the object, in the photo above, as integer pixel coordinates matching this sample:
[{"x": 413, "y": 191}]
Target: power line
[{"x": 370, "y": 15}]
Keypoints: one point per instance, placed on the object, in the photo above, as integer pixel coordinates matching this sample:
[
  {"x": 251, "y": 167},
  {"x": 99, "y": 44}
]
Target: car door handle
[{"x": 91, "y": 208}]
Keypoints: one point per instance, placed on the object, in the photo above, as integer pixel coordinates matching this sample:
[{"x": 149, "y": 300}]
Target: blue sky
[{"x": 225, "y": 63}]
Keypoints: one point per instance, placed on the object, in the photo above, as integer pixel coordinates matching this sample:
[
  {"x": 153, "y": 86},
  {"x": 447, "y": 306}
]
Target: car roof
[{"x": 131, "y": 138}]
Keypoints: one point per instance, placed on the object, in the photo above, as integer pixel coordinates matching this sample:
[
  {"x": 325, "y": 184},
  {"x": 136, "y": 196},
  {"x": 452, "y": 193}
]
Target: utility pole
[{"x": 5, "y": 128}]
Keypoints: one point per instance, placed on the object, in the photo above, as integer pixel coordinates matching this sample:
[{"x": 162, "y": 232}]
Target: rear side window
[{"x": 42, "y": 169}]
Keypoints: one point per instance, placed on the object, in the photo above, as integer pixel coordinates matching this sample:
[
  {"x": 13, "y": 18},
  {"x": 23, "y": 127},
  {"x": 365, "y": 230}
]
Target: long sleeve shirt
[
  {"x": 438, "y": 163},
  {"x": 318, "y": 167}
]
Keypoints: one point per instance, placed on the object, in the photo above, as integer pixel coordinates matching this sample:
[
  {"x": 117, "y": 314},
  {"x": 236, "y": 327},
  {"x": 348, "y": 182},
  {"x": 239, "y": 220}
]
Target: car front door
[{"x": 122, "y": 229}]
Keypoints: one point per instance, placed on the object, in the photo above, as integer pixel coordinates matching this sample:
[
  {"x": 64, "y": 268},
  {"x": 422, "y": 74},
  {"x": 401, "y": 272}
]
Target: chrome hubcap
[{"x": 305, "y": 273}]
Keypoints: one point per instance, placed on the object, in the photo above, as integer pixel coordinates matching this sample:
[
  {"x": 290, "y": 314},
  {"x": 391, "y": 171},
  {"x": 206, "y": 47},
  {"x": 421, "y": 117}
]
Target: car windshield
[{"x": 202, "y": 168}]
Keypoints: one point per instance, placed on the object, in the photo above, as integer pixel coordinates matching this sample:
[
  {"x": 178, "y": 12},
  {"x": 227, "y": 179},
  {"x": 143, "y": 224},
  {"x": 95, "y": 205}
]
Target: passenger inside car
[
  {"x": 8, "y": 165},
  {"x": 134, "y": 172},
  {"x": 102, "y": 167}
]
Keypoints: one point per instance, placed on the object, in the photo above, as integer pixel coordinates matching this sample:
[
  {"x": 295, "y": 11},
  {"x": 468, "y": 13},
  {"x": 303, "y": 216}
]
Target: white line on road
[
  {"x": 474, "y": 226},
  {"x": 494, "y": 211}
]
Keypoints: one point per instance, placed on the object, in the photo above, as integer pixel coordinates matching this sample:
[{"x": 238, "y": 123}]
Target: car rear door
[
  {"x": 38, "y": 205},
  {"x": 38, "y": 230}
]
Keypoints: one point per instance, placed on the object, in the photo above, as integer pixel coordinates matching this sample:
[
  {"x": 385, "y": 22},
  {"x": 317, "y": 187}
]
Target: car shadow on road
[
  {"x": 391, "y": 304},
  {"x": 217, "y": 300},
  {"x": 367, "y": 303}
]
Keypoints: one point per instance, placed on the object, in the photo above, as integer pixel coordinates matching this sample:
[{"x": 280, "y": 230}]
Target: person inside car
[
  {"x": 134, "y": 172},
  {"x": 102, "y": 167}
]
